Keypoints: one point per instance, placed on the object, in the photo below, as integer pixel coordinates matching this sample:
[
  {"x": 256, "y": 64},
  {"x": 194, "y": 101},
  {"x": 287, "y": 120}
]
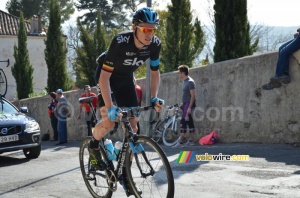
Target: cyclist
[{"x": 127, "y": 51}]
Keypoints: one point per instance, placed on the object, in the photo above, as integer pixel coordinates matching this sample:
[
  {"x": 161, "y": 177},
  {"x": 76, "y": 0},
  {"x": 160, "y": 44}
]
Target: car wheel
[{"x": 32, "y": 153}]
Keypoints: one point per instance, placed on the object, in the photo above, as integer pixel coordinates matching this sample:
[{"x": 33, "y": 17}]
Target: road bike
[
  {"x": 168, "y": 128},
  {"x": 147, "y": 170},
  {"x": 3, "y": 80}
]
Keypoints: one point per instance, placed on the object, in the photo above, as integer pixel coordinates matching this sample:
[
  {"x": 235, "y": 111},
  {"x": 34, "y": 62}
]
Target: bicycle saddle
[{"x": 86, "y": 99}]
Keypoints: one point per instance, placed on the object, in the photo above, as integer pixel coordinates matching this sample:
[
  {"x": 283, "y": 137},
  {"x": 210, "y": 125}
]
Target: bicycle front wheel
[
  {"x": 96, "y": 181},
  {"x": 170, "y": 136},
  {"x": 3, "y": 83},
  {"x": 150, "y": 171}
]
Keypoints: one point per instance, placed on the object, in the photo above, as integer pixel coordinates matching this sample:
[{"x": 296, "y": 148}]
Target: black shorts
[
  {"x": 101, "y": 101},
  {"x": 124, "y": 91}
]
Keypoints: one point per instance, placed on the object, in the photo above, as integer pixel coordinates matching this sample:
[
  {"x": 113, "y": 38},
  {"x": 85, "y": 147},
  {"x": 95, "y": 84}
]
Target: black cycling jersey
[
  {"x": 100, "y": 61},
  {"x": 122, "y": 59}
]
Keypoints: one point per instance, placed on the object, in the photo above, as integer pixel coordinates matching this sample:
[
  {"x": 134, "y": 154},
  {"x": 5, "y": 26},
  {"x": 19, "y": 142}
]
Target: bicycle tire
[
  {"x": 158, "y": 131},
  {"x": 95, "y": 181},
  {"x": 161, "y": 184},
  {"x": 3, "y": 83},
  {"x": 169, "y": 136}
]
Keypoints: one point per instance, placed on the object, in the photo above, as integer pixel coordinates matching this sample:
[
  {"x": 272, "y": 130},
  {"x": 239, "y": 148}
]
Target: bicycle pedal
[
  {"x": 128, "y": 193},
  {"x": 88, "y": 177}
]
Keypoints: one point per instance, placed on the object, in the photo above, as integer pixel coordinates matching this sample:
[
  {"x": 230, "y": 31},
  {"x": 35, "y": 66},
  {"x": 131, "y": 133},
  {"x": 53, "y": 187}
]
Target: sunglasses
[{"x": 146, "y": 30}]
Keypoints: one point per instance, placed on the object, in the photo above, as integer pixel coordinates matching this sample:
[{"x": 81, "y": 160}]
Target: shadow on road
[{"x": 12, "y": 159}]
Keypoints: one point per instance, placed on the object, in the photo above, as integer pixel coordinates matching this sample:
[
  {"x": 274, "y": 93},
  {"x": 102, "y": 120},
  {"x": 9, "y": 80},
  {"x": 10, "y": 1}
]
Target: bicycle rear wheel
[
  {"x": 96, "y": 181},
  {"x": 170, "y": 136},
  {"x": 3, "y": 83},
  {"x": 157, "y": 180}
]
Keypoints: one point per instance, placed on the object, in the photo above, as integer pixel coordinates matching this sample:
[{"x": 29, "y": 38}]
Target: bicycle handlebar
[
  {"x": 171, "y": 107},
  {"x": 134, "y": 111},
  {"x": 131, "y": 112}
]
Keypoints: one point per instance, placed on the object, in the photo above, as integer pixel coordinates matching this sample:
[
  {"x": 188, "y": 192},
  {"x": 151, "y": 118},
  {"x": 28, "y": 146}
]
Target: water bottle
[
  {"x": 118, "y": 147},
  {"x": 109, "y": 149}
]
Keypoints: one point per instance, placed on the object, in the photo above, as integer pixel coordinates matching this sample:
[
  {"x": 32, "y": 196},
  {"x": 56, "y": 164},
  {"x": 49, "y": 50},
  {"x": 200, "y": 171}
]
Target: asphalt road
[{"x": 273, "y": 170}]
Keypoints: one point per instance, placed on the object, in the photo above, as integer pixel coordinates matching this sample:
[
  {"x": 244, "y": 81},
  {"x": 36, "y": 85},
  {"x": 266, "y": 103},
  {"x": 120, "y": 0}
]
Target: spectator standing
[
  {"x": 189, "y": 103},
  {"x": 53, "y": 118},
  {"x": 90, "y": 121},
  {"x": 282, "y": 68},
  {"x": 62, "y": 111}
]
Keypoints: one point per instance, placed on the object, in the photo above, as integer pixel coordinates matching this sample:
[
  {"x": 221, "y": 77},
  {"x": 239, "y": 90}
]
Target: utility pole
[{"x": 148, "y": 94}]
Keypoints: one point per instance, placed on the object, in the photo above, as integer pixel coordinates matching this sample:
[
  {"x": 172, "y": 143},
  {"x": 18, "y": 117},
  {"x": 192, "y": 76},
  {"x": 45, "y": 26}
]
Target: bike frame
[
  {"x": 170, "y": 120},
  {"x": 132, "y": 158},
  {"x": 128, "y": 140}
]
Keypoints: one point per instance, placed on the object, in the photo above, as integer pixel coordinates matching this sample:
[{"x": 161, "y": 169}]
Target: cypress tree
[
  {"x": 22, "y": 69},
  {"x": 232, "y": 30},
  {"x": 184, "y": 39},
  {"x": 92, "y": 47},
  {"x": 56, "y": 51}
]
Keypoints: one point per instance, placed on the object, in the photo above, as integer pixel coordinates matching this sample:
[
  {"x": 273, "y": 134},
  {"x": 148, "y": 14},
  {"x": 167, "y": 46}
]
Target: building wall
[
  {"x": 229, "y": 98},
  {"x": 36, "y": 47}
]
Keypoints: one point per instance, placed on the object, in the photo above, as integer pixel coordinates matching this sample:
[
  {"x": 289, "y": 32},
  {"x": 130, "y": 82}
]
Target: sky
[{"x": 265, "y": 12}]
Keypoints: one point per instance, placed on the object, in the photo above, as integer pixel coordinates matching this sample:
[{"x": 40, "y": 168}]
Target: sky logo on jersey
[
  {"x": 123, "y": 39},
  {"x": 156, "y": 40},
  {"x": 133, "y": 62}
]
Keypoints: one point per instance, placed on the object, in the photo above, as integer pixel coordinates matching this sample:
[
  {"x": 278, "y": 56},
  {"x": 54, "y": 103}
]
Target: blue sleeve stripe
[{"x": 155, "y": 63}]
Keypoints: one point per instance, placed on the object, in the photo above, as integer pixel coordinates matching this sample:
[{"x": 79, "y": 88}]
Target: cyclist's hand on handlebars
[
  {"x": 113, "y": 113},
  {"x": 157, "y": 103}
]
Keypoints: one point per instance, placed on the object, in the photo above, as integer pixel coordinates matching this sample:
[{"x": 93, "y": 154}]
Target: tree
[
  {"x": 270, "y": 37},
  {"x": 22, "y": 69},
  {"x": 39, "y": 7},
  {"x": 184, "y": 39},
  {"x": 92, "y": 47},
  {"x": 113, "y": 13},
  {"x": 232, "y": 30},
  {"x": 55, "y": 52}
]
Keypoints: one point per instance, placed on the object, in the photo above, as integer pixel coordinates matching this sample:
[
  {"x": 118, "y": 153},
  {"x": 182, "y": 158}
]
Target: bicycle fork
[{"x": 140, "y": 149}]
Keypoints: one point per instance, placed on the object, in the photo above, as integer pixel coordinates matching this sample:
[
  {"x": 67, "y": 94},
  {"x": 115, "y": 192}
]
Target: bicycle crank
[{"x": 112, "y": 181}]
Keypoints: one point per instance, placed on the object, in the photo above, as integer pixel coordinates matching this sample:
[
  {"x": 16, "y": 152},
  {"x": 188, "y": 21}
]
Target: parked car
[{"x": 18, "y": 131}]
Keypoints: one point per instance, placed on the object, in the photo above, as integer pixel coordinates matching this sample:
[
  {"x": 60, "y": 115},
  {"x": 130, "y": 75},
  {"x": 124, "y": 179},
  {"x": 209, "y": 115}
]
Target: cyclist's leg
[{"x": 99, "y": 132}]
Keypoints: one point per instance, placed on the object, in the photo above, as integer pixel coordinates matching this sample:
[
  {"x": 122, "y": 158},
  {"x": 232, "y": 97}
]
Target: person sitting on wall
[{"x": 282, "y": 69}]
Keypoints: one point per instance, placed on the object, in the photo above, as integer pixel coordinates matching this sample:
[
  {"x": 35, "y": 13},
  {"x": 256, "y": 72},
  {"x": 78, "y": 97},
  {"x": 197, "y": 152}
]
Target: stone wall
[{"x": 228, "y": 96}]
